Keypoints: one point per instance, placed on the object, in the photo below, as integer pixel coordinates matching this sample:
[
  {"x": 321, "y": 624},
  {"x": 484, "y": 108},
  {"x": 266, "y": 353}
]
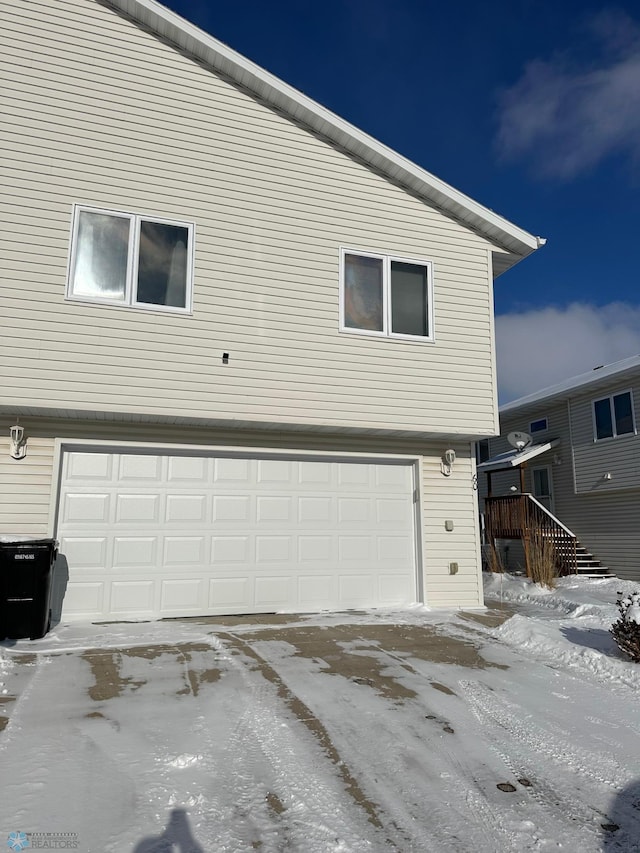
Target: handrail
[
  {"x": 550, "y": 514},
  {"x": 522, "y": 516}
]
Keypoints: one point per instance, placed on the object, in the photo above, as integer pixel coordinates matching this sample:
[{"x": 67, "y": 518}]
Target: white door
[
  {"x": 543, "y": 486},
  {"x": 152, "y": 535}
]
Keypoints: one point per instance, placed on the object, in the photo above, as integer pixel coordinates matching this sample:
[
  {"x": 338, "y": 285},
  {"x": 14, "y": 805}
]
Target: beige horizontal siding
[
  {"x": 98, "y": 111},
  {"x": 26, "y": 486}
]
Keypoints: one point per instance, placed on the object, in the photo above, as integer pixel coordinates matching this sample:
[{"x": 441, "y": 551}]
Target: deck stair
[{"x": 522, "y": 516}]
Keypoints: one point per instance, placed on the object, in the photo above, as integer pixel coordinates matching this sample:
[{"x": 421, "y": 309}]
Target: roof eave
[
  {"x": 512, "y": 242},
  {"x": 591, "y": 381}
]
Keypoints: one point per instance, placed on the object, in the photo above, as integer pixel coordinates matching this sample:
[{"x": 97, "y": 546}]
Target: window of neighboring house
[
  {"x": 384, "y": 295},
  {"x": 482, "y": 450},
  {"x": 613, "y": 416},
  {"x": 128, "y": 259},
  {"x": 538, "y": 426}
]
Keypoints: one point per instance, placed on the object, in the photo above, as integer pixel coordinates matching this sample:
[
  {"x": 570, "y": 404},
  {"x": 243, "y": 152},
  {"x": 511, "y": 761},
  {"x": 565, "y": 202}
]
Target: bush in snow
[
  {"x": 541, "y": 559},
  {"x": 626, "y": 631}
]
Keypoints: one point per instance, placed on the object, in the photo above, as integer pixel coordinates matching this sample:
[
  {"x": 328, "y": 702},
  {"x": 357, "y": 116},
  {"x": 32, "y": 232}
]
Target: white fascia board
[
  {"x": 563, "y": 390},
  {"x": 493, "y": 227},
  {"x": 514, "y": 458}
]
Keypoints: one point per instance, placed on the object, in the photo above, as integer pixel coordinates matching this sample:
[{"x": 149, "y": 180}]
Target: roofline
[
  {"x": 566, "y": 389},
  {"x": 509, "y": 460},
  {"x": 503, "y": 234}
]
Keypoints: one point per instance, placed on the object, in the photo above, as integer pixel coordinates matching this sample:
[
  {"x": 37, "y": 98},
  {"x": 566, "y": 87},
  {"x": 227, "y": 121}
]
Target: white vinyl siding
[
  {"x": 26, "y": 502},
  {"x": 272, "y": 204}
]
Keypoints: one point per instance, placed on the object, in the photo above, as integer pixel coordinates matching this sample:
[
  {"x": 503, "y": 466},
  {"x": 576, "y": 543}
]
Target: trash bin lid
[{"x": 24, "y": 538}]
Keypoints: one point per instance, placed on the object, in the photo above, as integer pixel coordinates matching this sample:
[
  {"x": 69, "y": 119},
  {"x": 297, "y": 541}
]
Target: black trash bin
[{"x": 26, "y": 567}]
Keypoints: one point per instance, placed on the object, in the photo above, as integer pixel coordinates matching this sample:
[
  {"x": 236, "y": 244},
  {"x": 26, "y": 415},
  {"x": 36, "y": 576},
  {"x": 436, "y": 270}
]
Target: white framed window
[
  {"x": 386, "y": 295},
  {"x": 539, "y": 425},
  {"x": 131, "y": 259},
  {"x": 482, "y": 451},
  {"x": 613, "y": 416}
]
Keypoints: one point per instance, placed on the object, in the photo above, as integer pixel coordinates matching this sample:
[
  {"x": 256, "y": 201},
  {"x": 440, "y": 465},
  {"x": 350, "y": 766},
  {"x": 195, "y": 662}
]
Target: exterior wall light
[
  {"x": 18, "y": 447},
  {"x": 446, "y": 464}
]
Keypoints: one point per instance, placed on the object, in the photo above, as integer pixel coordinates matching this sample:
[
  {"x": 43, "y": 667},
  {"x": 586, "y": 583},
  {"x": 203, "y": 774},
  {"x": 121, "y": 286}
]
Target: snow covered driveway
[{"x": 511, "y": 730}]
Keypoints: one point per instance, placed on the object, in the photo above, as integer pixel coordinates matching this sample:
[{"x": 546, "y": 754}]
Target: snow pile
[{"x": 568, "y": 626}]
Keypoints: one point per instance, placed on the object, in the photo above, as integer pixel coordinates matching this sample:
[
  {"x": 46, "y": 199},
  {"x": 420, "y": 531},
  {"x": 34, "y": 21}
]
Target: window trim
[
  {"x": 542, "y": 429},
  {"x": 610, "y": 398},
  {"x": 386, "y": 295},
  {"x": 480, "y": 443},
  {"x": 133, "y": 259}
]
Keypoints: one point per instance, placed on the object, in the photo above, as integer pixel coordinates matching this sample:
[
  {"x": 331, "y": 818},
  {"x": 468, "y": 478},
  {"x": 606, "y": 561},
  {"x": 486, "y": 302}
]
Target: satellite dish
[{"x": 519, "y": 440}]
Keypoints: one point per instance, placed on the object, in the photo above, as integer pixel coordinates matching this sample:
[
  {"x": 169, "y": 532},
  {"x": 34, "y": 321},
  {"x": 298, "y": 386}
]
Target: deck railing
[{"x": 523, "y": 517}]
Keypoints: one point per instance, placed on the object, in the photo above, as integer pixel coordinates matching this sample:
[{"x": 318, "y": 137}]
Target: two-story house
[
  {"x": 245, "y": 347},
  {"x": 579, "y": 479}
]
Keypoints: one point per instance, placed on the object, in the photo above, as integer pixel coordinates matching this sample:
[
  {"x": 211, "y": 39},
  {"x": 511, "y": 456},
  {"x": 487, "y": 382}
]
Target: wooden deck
[{"x": 523, "y": 517}]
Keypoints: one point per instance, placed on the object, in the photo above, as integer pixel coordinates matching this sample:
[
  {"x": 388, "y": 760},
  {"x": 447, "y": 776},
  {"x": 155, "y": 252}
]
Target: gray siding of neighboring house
[{"x": 604, "y": 514}]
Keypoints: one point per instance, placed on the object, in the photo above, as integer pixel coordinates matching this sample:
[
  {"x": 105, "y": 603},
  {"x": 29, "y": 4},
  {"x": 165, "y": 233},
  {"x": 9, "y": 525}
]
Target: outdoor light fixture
[
  {"x": 446, "y": 464},
  {"x": 18, "y": 448}
]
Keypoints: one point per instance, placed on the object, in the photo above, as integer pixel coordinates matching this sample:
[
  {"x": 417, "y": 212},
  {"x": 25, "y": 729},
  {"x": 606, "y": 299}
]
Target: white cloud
[
  {"x": 541, "y": 347},
  {"x": 566, "y": 115}
]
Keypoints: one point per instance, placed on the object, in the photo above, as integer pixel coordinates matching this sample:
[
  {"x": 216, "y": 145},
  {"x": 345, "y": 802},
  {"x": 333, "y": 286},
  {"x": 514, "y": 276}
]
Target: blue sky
[{"x": 531, "y": 108}]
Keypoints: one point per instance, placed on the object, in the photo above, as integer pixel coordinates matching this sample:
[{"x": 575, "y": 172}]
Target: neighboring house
[
  {"x": 238, "y": 333},
  {"x": 583, "y": 467}
]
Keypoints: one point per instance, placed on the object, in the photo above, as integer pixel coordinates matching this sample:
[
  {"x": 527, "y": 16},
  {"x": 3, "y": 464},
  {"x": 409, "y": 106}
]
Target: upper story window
[
  {"x": 538, "y": 426},
  {"x": 384, "y": 295},
  {"x": 128, "y": 259},
  {"x": 482, "y": 451},
  {"x": 613, "y": 416}
]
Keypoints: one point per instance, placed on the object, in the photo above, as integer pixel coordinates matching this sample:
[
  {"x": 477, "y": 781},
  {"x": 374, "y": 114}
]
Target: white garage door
[{"x": 151, "y": 535}]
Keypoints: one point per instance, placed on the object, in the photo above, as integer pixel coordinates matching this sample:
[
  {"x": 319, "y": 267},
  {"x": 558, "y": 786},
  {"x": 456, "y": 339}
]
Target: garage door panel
[
  {"x": 137, "y": 551},
  {"x": 271, "y": 508},
  {"x": 353, "y": 549},
  {"x": 317, "y": 591},
  {"x": 181, "y": 508},
  {"x": 182, "y": 596},
  {"x": 184, "y": 535},
  {"x": 138, "y": 468},
  {"x": 86, "y": 599},
  {"x": 137, "y": 509},
  {"x": 183, "y": 550},
  {"x": 232, "y": 471},
  {"x": 357, "y": 589},
  {"x": 88, "y": 467},
  {"x": 229, "y": 593},
  {"x": 316, "y": 548},
  {"x": 230, "y": 549},
  {"x": 395, "y": 589},
  {"x": 271, "y": 591},
  {"x": 86, "y": 552},
  {"x": 86, "y": 508},
  {"x": 188, "y": 470},
  {"x": 315, "y": 510},
  {"x": 234, "y": 508},
  {"x": 130, "y": 597},
  {"x": 271, "y": 549}
]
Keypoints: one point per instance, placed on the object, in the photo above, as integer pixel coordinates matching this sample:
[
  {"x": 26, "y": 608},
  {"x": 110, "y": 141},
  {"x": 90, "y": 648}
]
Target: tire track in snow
[
  {"x": 593, "y": 766},
  {"x": 527, "y": 742},
  {"x": 315, "y": 813}
]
